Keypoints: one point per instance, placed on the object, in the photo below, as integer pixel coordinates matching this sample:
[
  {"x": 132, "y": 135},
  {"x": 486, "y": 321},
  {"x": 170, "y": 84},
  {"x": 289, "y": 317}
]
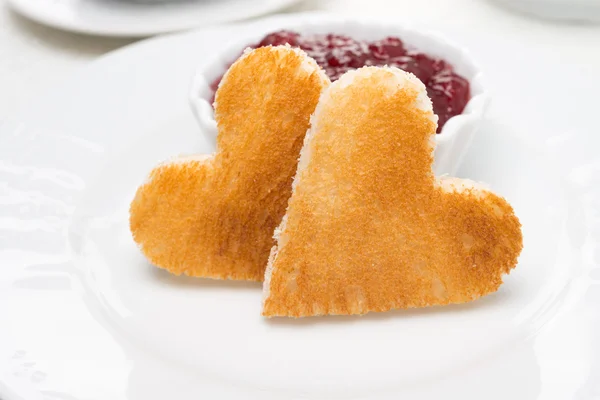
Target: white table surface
[{"x": 34, "y": 58}]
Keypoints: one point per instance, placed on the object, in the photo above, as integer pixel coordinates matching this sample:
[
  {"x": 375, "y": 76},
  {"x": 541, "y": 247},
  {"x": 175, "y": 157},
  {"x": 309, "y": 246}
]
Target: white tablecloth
[{"x": 34, "y": 58}]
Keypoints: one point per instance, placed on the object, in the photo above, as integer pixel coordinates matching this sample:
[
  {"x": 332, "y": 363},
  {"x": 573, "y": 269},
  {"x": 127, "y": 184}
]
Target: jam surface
[{"x": 337, "y": 54}]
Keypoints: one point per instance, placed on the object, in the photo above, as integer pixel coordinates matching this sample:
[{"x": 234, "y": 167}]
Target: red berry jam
[{"x": 337, "y": 54}]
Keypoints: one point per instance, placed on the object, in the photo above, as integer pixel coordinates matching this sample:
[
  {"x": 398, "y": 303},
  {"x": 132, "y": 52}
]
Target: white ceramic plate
[
  {"x": 88, "y": 318},
  {"x": 135, "y": 18}
]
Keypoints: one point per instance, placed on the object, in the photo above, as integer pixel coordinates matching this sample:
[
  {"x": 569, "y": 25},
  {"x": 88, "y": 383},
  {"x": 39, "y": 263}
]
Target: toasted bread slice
[
  {"x": 368, "y": 226},
  {"x": 214, "y": 216}
]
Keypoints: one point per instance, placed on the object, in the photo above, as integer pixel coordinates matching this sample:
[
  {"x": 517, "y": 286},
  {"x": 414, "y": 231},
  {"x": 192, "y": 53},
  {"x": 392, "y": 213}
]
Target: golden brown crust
[
  {"x": 368, "y": 227},
  {"x": 215, "y": 217}
]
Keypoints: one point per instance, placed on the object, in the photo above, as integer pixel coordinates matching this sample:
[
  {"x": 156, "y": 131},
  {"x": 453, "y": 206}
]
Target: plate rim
[{"x": 28, "y": 10}]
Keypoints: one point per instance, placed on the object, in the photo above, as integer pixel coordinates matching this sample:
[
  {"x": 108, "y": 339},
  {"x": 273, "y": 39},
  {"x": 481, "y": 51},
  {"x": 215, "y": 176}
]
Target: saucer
[{"x": 131, "y": 18}]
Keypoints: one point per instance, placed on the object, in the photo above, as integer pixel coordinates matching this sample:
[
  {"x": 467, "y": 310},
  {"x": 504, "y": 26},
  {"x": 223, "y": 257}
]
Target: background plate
[{"x": 134, "y": 18}]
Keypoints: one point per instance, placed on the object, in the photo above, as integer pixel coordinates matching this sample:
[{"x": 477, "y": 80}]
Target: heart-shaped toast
[
  {"x": 214, "y": 216},
  {"x": 368, "y": 226}
]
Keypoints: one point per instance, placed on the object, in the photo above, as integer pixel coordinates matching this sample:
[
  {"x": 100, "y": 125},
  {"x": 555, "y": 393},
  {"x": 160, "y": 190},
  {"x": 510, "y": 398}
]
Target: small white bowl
[{"x": 456, "y": 135}]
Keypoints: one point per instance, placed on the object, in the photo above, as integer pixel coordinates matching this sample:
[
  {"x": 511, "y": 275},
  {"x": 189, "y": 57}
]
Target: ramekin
[{"x": 451, "y": 143}]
